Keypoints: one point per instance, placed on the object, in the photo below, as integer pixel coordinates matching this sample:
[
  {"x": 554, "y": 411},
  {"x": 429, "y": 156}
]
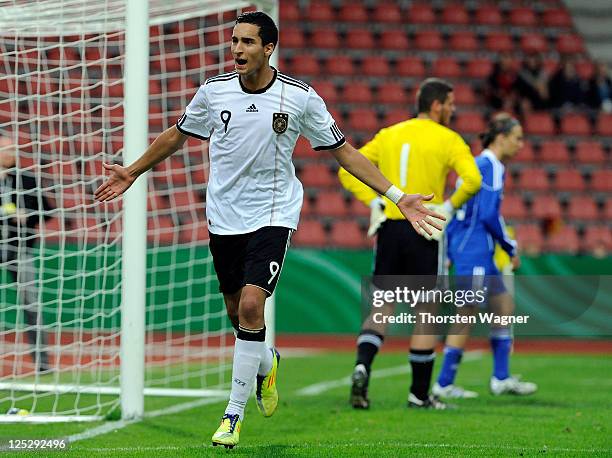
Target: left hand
[{"x": 419, "y": 216}]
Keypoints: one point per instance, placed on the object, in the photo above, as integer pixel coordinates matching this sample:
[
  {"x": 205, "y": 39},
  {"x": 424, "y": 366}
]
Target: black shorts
[{"x": 254, "y": 259}]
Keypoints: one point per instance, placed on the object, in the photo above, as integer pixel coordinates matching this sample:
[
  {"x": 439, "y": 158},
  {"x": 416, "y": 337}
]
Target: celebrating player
[
  {"x": 253, "y": 117},
  {"x": 416, "y": 155},
  {"x": 471, "y": 236}
]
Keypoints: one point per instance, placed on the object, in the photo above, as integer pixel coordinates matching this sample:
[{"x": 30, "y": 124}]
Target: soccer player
[
  {"x": 21, "y": 206},
  {"x": 416, "y": 155},
  {"x": 253, "y": 117},
  {"x": 472, "y": 235}
]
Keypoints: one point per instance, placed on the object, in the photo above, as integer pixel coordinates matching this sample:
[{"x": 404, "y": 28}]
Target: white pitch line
[{"x": 318, "y": 388}]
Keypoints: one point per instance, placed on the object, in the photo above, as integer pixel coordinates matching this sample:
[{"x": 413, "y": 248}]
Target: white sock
[
  {"x": 265, "y": 365},
  {"x": 247, "y": 355}
]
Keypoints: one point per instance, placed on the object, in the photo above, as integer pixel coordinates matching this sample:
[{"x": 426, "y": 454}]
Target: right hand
[{"x": 117, "y": 183}]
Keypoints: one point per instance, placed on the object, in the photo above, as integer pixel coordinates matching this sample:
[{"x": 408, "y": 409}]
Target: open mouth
[{"x": 241, "y": 61}]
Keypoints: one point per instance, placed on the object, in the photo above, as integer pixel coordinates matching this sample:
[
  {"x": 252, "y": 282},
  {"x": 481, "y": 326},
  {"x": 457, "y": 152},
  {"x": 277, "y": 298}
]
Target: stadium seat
[
  {"x": 291, "y": 37},
  {"x": 479, "y": 68},
  {"x": 157, "y": 202},
  {"x": 446, "y": 67},
  {"x": 564, "y": 240},
  {"x": 590, "y": 152},
  {"x": 570, "y": 44},
  {"x": 533, "y": 179},
  {"x": 324, "y": 38},
  {"x": 456, "y": 14},
  {"x": 464, "y": 41},
  {"x": 307, "y": 208},
  {"x": 303, "y": 150},
  {"x": 395, "y": 116},
  {"x": 597, "y": 236},
  {"x": 513, "y": 207},
  {"x": 499, "y": 42},
  {"x": 604, "y": 124},
  {"x": 331, "y": 203},
  {"x": 394, "y": 40},
  {"x": 193, "y": 231},
  {"x": 464, "y": 94},
  {"x": 554, "y": 151},
  {"x": 363, "y": 120},
  {"x": 556, "y": 17},
  {"x": 469, "y": 122},
  {"x": 327, "y": 90},
  {"x": 310, "y": 232},
  {"x": 387, "y": 13},
  {"x": 488, "y": 15},
  {"x": 320, "y": 11},
  {"x": 539, "y": 124},
  {"x": 608, "y": 209},
  {"x": 601, "y": 180},
  {"x": 359, "y": 39},
  {"x": 171, "y": 172},
  {"x": 392, "y": 94},
  {"x": 582, "y": 208},
  {"x": 305, "y": 64},
  {"x": 199, "y": 175},
  {"x": 410, "y": 66},
  {"x": 575, "y": 124},
  {"x": 347, "y": 234},
  {"x": 358, "y": 208},
  {"x": 545, "y": 206},
  {"x": 375, "y": 66},
  {"x": 341, "y": 65},
  {"x": 525, "y": 154},
  {"x": 420, "y": 13},
  {"x": 160, "y": 230},
  {"x": 184, "y": 200},
  {"x": 533, "y": 42},
  {"x": 357, "y": 92},
  {"x": 428, "y": 40},
  {"x": 569, "y": 180},
  {"x": 317, "y": 176},
  {"x": 353, "y": 12},
  {"x": 289, "y": 11},
  {"x": 585, "y": 68},
  {"x": 529, "y": 237},
  {"x": 523, "y": 17}
]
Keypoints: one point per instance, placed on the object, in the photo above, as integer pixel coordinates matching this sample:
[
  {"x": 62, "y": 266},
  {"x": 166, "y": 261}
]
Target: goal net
[{"x": 62, "y": 79}]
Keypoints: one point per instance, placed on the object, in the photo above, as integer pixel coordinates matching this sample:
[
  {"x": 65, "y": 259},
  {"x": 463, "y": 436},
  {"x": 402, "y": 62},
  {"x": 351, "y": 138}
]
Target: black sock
[
  {"x": 368, "y": 344},
  {"x": 422, "y": 362}
]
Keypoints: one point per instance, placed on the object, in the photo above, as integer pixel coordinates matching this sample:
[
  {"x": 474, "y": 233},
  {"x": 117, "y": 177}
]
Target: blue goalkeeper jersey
[{"x": 478, "y": 224}]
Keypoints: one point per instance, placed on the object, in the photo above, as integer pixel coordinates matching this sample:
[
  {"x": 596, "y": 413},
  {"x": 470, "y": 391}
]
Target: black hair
[
  {"x": 501, "y": 123},
  {"x": 268, "y": 32},
  {"x": 432, "y": 89}
]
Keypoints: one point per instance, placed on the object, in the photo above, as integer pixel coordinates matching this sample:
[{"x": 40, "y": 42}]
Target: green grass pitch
[{"x": 569, "y": 416}]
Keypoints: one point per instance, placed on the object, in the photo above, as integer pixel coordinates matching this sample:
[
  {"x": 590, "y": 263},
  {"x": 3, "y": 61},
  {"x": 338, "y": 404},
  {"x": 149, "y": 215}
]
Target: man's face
[
  {"x": 447, "y": 109},
  {"x": 247, "y": 49},
  {"x": 512, "y": 142},
  {"x": 7, "y": 153}
]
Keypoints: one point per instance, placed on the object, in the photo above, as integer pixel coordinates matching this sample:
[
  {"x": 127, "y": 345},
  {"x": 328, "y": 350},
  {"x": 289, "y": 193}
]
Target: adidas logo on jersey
[{"x": 252, "y": 109}]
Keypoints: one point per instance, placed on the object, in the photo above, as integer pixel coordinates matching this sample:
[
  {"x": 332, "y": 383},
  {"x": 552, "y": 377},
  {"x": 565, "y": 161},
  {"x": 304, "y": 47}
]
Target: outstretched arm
[
  {"x": 121, "y": 178},
  {"x": 410, "y": 205}
]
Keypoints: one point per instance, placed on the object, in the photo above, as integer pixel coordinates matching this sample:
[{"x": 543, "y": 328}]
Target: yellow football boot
[
  {"x": 267, "y": 394},
  {"x": 228, "y": 433}
]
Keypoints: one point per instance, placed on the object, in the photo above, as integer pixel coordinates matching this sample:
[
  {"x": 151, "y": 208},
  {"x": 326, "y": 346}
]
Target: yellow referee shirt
[{"x": 416, "y": 156}]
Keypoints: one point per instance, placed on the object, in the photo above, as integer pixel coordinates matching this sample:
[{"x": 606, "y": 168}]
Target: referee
[
  {"x": 253, "y": 117},
  {"x": 415, "y": 155}
]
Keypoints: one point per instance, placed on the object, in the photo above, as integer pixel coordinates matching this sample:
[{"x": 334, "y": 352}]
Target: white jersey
[{"x": 252, "y": 180}]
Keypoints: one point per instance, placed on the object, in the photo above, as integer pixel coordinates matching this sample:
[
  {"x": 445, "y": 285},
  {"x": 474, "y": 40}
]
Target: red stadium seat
[
  {"x": 289, "y": 11},
  {"x": 601, "y": 180},
  {"x": 582, "y": 208},
  {"x": 554, "y": 151},
  {"x": 310, "y": 233},
  {"x": 597, "y": 236},
  {"x": 563, "y": 241},
  {"x": 353, "y": 12},
  {"x": 387, "y": 13},
  {"x": 488, "y": 15},
  {"x": 358, "y": 208},
  {"x": 570, "y": 44},
  {"x": 513, "y": 207},
  {"x": 499, "y": 42},
  {"x": 307, "y": 208},
  {"x": 529, "y": 237},
  {"x": 421, "y": 13},
  {"x": 479, "y": 68},
  {"x": 604, "y": 124},
  {"x": 523, "y": 17},
  {"x": 184, "y": 200},
  {"x": 545, "y": 207},
  {"x": 359, "y": 39},
  {"x": 327, "y": 90},
  {"x": 357, "y": 92},
  {"x": 199, "y": 175},
  {"x": 161, "y": 230},
  {"x": 341, "y": 65},
  {"x": 392, "y": 94},
  {"x": 291, "y": 37},
  {"x": 320, "y": 11},
  {"x": 331, "y": 203},
  {"x": 557, "y": 17},
  {"x": 324, "y": 38},
  {"x": 590, "y": 152},
  {"x": 533, "y": 42},
  {"x": 375, "y": 66},
  {"x": 608, "y": 209},
  {"x": 455, "y": 14},
  {"x": 305, "y": 64},
  {"x": 534, "y": 179},
  {"x": 394, "y": 39},
  {"x": 464, "y": 41},
  {"x": 464, "y": 94},
  {"x": 410, "y": 66},
  {"x": 395, "y": 116},
  {"x": 363, "y": 119},
  {"x": 539, "y": 124},
  {"x": 469, "y": 122},
  {"x": 575, "y": 124},
  {"x": 585, "y": 69},
  {"x": 428, "y": 40},
  {"x": 317, "y": 176},
  {"x": 525, "y": 154},
  {"x": 347, "y": 234},
  {"x": 446, "y": 67},
  {"x": 303, "y": 150},
  {"x": 569, "y": 180}
]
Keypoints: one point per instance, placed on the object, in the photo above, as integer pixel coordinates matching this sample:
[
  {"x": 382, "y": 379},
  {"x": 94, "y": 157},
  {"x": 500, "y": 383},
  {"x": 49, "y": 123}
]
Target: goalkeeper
[{"x": 415, "y": 155}]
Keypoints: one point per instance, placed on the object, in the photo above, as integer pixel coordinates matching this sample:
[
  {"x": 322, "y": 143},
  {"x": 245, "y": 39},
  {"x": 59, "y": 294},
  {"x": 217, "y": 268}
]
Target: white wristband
[{"x": 394, "y": 194}]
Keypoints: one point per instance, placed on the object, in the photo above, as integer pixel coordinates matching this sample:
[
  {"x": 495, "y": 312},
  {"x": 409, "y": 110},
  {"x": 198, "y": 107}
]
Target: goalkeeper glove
[
  {"x": 447, "y": 210},
  {"x": 377, "y": 215}
]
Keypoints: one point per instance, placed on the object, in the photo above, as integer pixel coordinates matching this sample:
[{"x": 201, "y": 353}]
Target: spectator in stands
[
  {"x": 532, "y": 84},
  {"x": 21, "y": 204},
  {"x": 501, "y": 84},
  {"x": 599, "y": 94},
  {"x": 566, "y": 88}
]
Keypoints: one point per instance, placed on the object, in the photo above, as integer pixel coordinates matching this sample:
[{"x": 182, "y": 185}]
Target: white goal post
[{"x": 125, "y": 302}]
